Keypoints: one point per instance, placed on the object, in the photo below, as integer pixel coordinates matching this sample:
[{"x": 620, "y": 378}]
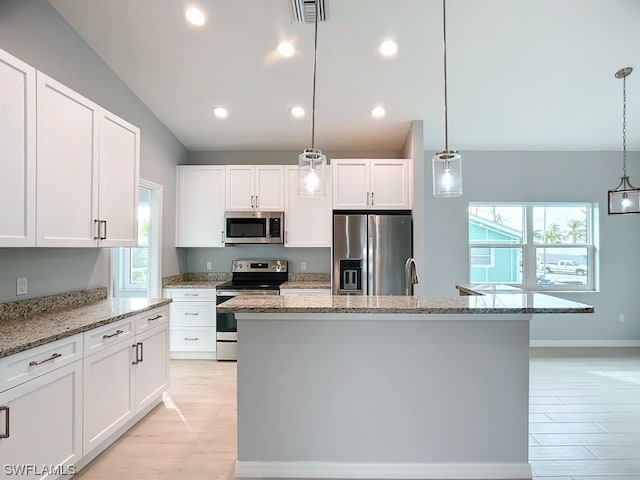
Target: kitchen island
[{"x": 386, "y": 386}]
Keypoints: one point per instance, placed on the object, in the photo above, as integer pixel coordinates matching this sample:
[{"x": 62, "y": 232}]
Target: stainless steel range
[{"x": 249, "y": 277}]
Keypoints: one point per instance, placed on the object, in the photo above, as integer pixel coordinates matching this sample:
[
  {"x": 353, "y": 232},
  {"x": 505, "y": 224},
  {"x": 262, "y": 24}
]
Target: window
[{"x": 539, "y": 246}]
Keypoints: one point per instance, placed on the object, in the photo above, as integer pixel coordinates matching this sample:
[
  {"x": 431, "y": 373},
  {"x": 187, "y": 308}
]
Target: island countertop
[{"x": 498, "y": 303}]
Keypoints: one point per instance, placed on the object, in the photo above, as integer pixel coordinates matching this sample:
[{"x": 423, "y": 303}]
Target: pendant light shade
[
  {"x": 447, "y": 174},
  {"x": 312, "y": 167},
  {"x": 625, "y": 198},
  {"x": 447, "y": 164},
  {"x": 312, "y": 163}
]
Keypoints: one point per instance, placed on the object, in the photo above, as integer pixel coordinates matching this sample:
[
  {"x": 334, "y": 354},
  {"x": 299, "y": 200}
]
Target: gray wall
[
  {"x": 544, "y": 176},
  {"x": 34, "y": 32}
]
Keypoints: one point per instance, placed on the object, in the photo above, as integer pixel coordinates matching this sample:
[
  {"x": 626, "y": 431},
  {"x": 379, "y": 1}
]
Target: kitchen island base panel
[
  {"x": 372, "y": 470},
  {"x": 343, "y": 397}
]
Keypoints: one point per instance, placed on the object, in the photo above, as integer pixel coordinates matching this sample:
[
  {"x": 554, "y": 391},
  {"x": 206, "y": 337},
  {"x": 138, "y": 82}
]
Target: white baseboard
[
  {"x": 348, "y": 470},
  {"x": 584, "y": 343}
]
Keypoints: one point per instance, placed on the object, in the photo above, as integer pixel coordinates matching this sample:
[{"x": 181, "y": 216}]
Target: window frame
[{"x": 529, "y": 274}]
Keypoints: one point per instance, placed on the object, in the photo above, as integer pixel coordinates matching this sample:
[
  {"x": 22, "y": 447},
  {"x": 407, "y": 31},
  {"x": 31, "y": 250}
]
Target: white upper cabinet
[
  {"x": 87, "y": 171},
  {"x": 255, "y": 187},
  {"x": 307, "y": 220},
  {"x": 119, "y": 160},
  {"x": 200, "y": 206},
  {"x": 378, "y": 184},
  {"x": 17, "y": 152}
]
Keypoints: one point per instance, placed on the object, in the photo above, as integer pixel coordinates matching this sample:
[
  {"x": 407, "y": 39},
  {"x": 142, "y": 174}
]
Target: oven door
[{"x": 226, "y": 331}]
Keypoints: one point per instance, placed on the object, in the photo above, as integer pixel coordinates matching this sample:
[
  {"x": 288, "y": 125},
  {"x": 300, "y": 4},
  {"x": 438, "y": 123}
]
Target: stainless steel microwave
[{"x": 254, "y": 227}]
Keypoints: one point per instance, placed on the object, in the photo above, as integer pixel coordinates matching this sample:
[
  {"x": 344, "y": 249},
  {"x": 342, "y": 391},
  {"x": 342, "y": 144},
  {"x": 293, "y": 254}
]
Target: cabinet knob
[{"x": 5, "y": 409}]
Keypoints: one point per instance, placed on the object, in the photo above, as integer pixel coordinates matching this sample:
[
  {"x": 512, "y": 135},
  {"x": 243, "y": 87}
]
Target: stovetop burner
[{"x": 256, "y": 275}]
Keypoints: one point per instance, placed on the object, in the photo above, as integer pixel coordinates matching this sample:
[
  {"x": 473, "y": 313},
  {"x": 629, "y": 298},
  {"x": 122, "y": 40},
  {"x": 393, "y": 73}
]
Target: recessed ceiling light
[
  {"x": 286, "y": 49},
  {"x": 195, "y": 16},
  {"x": 378, "y": 112},
  {"x": 220, "y": 112},
  {"x": 297, "y": 112},
  {"x": 388, "y": 48}
]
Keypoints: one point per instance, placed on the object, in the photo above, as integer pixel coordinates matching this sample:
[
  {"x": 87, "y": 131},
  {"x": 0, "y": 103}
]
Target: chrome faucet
[{"x": 410, "y": 275}]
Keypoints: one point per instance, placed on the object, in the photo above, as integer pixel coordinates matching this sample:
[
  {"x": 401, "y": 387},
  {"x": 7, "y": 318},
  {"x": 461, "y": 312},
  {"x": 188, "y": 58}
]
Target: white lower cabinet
[
  {"x": 41, "y": 418},
  {"x": 193, "y": 322},
  {"x": 127, "y": 370},
  {"x": 64, "y": 402}
]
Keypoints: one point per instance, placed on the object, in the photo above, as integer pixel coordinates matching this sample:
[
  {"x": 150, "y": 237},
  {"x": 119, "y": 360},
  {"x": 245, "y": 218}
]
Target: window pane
[
  {"x": 496, "y": 224},
  {"x": 560, "y": 224},
  {"x": 496, "y": 265},
  {"x": 562, "y": 266},
  {"x": 139, "y": 266}
]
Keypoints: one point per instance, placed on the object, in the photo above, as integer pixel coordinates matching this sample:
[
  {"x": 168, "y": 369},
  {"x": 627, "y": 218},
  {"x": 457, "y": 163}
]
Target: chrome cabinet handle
[
  {"x": 104, "y": 236},
  {"x": 191, "y": 338},
  {"x": 5, "y": 409},
  {"x": 222, "y": 236},
  {"x": 252, "y": 201},
  {"x": 117, "y": 332},
  {"x": 372, "y": 199},
  {"x": 192, "y": 313},
  {"x": 34, "y": 363},
  {"x": 191, "y": 294},
  {"x": 367, "y": 198},
  {"x": 257, "y": 201},
  {"x": 152, "y": 319},
  {"x": 141, "y": 359},
  {"x": 96, "y": 229}
]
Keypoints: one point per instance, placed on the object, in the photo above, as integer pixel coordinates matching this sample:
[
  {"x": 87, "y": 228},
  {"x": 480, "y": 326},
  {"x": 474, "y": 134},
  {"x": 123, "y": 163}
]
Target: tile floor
[{"x": 584, "y": 421}]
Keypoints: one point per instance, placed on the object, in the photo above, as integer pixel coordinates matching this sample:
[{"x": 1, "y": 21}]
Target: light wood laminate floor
[{"x": 584, "y": 421}]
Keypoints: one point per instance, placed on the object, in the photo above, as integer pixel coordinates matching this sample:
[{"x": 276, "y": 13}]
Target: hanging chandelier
[
  {"x": 312, "y": 163},
  {"x": 446, "y": 164},
  {"x": 625, "y": 198}
]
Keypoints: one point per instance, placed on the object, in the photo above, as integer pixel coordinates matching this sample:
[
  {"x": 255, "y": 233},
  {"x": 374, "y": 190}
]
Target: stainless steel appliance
[
  {"x": 249, "y": 277},
  {"x": 370, "y": 252},
  {"x": 254, "y": 227}
]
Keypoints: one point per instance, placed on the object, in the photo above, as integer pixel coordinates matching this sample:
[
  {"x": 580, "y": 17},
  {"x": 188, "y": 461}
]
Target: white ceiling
[{"x": 522, "y": 74}]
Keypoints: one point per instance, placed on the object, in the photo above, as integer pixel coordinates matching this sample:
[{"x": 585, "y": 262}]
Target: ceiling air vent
[{"x": 304, "y": 11}]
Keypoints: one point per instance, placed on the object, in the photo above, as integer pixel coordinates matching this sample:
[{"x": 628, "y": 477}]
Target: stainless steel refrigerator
[{"x": 370, "y": 252}]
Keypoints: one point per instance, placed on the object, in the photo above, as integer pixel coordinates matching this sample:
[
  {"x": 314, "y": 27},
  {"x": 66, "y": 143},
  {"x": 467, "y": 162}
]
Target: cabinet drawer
[
  {"x": 20, "y": 367},
  {"x": 193, "y": 314},
  {"x": 188, "y": 294},
  {"x": 152, "y": 318},
  {"x": 110, "y": 334},
  {"x": 193, "y": 339}
]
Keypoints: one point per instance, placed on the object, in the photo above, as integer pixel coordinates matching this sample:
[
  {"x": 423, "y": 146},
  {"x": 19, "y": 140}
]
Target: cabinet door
[
  {"x": 152, "y": 369},
  {"x": 67, "y": 189},
  {"x": 119, "y": 159},
  {"x": 351, "y": 184},
  {"x": 200, "y": 206},
  {"x": 17, "y": 153},
  {"x": 307, "y": 220},
  {"x": 45, "y": 420},
  {"x": 390, "y": 184},
  {"x": 239, "y": 191},
  {"x": 269, "y": 188},
  {"x": 108, "y": 392}
]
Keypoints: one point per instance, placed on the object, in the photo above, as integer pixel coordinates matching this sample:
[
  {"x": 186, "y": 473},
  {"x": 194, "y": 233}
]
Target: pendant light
[
  {"x": 625, "y": 198},
  {"x": 447, "y": 164},
  {"x": 312, "y": 163}
]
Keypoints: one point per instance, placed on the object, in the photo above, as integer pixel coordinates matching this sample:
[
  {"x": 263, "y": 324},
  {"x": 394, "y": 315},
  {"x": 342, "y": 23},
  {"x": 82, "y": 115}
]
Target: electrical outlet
[
  {"x": 303, "y": 266},
  {"x": 21, "y": 286},
  {"x": 209, "y": 266},
  {"x": 621, "y": 318}
]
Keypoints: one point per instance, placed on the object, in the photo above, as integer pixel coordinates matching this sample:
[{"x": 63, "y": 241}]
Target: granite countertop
[
  {"x": 307, "y": 284},
  {"x": 194, "y": 284},
  {"x": 19, "y": 334},
  {"x": 509, "y": 303}
]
